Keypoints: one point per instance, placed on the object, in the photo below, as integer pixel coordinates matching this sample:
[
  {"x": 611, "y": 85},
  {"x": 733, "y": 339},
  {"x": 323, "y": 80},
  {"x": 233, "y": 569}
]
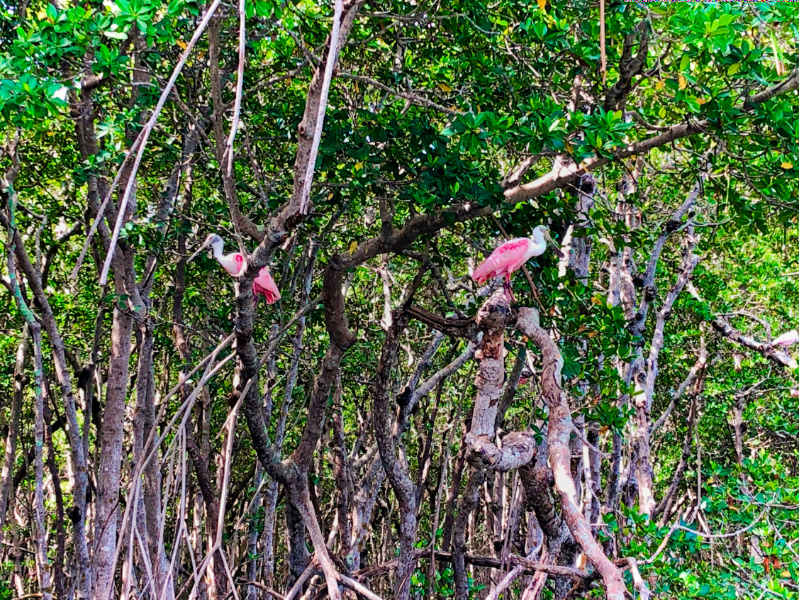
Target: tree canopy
[{"x": 389, "y": 428}]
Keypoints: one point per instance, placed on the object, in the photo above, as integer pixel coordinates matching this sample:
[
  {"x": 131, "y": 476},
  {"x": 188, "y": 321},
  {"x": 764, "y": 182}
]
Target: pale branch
[
  {"x": 676, "y": 525},
  {"x": 664, "y": 506},
  {"x": 671, "y": 226},
  {"x": 559, "y": 431},
  {"x": 157, "y": 436},
  {"x": 424, "y": 362},
  {"x": 507, "y": 580},
  {"x": 644, "y": 373},
  {"x": 689, "y": 379},
  {"x": 241, "y": 223},
  {"x": 513, "y": 178},
  {"x": 98, "y": 219},
  {"x": 358, "y": 587},
  {"x": 563, "y": 173},
  {"x": 298, "y": 206},
  {"x": 234, "y": 127},
  {"x": 302, "y": 188},
  {"x": 773, "y": 353},
  {"x": 690, "y": 261},
  {"x": 145, "y": 134},
  {"x": 638, "y": 581},
  {"x": 440, "y": 375}
]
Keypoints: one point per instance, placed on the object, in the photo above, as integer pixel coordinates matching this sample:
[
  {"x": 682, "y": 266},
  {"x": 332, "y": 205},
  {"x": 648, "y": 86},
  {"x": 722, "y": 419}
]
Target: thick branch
[
  {"x": 396, "y": 471},
  {"x": 629, "y": 67},
  {"x": 560, "y": 426},
  {"x": 564, "y": 173},
  {"x": 459, "y": 328}
]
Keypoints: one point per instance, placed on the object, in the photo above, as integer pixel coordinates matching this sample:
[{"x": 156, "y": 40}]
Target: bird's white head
[
  {"x": 213, "y": 241},
  {"x": 541, "y": 236}
]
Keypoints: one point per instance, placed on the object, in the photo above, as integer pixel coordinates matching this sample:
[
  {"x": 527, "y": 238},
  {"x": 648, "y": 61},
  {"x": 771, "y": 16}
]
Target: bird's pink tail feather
[{"x": 482, "y": 273}]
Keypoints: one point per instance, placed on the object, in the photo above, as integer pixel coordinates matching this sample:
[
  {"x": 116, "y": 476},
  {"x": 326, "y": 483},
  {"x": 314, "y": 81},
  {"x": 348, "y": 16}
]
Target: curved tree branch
[{"x": 560, "y": 425}]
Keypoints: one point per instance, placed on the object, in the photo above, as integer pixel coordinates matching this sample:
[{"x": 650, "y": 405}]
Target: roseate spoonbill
[
  {"x": 786, "y": 339},
  {"x": 511, "y": 255},
  {"x": 233, "y": 263},
  {"x": 265, "y": 285}
]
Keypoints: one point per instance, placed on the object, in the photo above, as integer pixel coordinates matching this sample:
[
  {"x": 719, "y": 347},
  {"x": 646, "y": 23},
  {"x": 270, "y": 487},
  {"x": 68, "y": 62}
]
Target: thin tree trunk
[
  {"x": 9, "y": 458},
  {"x": 110, "y": 468},
  {"x": 468, "y": 503},
  {"x": 253, "y": 529},
  {"x": 111, "y": 432},
  {"x": 40, "y": 531},
  {"x": 396, "y": 468},
  {"x": 59, "y": 583},
  {"x": 143, "y": 422},
  {"x": 79, "y": 464}
]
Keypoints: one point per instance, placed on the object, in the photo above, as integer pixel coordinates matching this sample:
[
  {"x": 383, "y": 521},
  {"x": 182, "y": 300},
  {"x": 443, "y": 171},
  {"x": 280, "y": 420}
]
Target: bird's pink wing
[
  {"x": 505, "y": 259},
  {"x": 265, "y": 285},
  {"x": 233, "y": 263}
]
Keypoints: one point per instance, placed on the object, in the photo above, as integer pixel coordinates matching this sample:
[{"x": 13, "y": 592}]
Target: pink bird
[
  {"x": 511, "y": 255},
  {"x": 233, "y": 263},
  {"x": 265, "y": 285},
  {"x": 786, "y": 339}
]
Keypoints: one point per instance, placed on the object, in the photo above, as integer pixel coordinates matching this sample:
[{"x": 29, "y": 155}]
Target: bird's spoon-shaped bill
[
  {"x": 552, "y": 243},
  {"x": 200, "y": 249}
]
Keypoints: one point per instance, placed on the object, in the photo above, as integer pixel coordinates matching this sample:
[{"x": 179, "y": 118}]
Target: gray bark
[{"x": 9, "y": 457}]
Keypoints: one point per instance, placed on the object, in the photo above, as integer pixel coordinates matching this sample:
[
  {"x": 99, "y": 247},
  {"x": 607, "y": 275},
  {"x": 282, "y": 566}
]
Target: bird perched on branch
[
  {"x": 511, "y": 255},
  {"x": 235, "y": 262}
]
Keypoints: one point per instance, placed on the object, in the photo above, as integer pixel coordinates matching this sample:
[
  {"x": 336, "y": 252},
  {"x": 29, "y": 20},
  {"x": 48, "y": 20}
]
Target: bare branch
[
  {"x": 560, "y": 426},
  {"x": 562, "y": 174},
  {"x": 777, "y": 356},
  {"x": 239, "y": 87},
  {"x": 145, "y": 134}
]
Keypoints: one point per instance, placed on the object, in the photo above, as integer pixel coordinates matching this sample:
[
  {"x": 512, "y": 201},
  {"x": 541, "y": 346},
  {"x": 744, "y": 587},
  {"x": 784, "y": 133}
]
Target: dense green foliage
[{"x": 431, "y": 108}]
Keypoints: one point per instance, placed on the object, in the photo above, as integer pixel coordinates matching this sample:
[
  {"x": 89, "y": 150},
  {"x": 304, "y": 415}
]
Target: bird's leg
[{"x": 508, "y": 290}]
